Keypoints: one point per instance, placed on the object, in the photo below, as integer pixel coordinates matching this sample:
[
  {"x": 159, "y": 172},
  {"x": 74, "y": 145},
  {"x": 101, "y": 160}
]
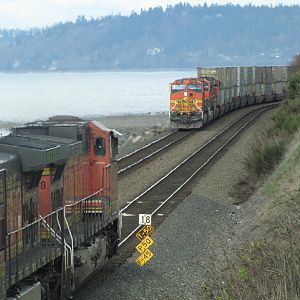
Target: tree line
[{"x": 180, "y": 36}]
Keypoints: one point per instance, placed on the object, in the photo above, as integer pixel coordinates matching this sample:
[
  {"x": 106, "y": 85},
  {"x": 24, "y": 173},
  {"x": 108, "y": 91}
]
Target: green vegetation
[
  {"x": 287, "y": 118},
  {"x": 269, "y": 149},
  {"x": 294, "y": 85},
  {"x": 268, "y": 266}
]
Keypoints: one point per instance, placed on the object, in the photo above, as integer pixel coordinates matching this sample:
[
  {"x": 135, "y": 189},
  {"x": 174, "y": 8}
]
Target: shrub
[
  {"x": 287, "y": 118},
  {"x": 266, "y": 154},
  {"x": 294, "y": 85}
]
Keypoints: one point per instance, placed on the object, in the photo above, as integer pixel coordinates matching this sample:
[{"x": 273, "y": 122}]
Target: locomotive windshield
[
  {"x": 197, "y": 87},
  {"x": 178, "y": 87}
]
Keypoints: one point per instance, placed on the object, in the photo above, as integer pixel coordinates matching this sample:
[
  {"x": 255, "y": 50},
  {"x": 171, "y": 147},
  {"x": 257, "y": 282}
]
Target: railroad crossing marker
[
  {"x": 144, "y": 219},
  {"x": 144, "y": 258},
  {"x": 145, "y": 231},
  {"x": 144, "y": 244}
]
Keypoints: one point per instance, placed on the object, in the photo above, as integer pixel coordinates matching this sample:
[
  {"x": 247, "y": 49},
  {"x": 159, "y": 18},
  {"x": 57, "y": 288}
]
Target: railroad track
[
  {"x": 157, "y": 197},
  {"x": 139, "y": 156}
]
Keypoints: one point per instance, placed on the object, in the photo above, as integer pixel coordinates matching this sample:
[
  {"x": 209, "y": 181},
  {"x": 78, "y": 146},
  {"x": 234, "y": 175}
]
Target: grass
[
  {"x": 266, "y": 153},
  {"x": 269, "y": 267}
]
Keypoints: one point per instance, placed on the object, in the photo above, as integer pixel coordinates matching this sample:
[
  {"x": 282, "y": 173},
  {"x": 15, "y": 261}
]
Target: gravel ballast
[
  {"x": 191, "y": 238},
  {"x": 183, "y": 245}
]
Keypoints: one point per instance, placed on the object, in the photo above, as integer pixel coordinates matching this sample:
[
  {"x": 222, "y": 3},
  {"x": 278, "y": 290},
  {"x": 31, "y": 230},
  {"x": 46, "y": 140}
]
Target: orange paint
[{"x": 185, "y": 96}]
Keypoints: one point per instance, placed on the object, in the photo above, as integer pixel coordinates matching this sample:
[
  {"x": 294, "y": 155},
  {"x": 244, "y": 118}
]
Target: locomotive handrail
[
  {"x": 71, "y": 248},
  {"x": 83, "y": 199},
  {"x": 33, "y": 223},
  {"x": 56, "y": 211},
  {"x": 59, "y": 239}
]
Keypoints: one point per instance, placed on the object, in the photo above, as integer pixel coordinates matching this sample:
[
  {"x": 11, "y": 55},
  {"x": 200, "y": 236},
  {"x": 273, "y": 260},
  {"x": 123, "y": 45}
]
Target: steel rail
[
  {"x": 146, "y": 146},
  {"x": 263, "y": 109},
  {"x": 152, "y": 153}
]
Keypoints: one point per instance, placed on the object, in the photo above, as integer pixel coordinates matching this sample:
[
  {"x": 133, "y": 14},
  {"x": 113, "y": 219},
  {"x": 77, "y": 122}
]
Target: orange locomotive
[
  {"x": 58, "y": 206},
  {"x": 193, "y": 101},
  {"x": 196, "y": 101}
]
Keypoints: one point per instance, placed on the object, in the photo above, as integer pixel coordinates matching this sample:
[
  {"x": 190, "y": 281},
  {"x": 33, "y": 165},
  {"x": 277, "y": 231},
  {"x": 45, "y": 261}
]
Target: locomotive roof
[
  {"x": 103, "y": 127},
  {"x": 49, "y": 139},
  {"x": 186, "y": 78},
  {"x": 27, "y": 142},
  {"x": 69, "y": 146},
  {"x": 35, "y": 153},
  {"x": 7, "y": 160},
  {"x": 55, "y": 127}
]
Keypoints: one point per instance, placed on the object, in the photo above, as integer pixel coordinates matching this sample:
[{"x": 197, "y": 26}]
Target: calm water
[{"x": 31, "y": 96}]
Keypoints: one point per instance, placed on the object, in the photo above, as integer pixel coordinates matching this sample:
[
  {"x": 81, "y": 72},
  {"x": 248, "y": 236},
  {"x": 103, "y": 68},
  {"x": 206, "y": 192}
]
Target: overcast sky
[{"x": 38, "y": 13}]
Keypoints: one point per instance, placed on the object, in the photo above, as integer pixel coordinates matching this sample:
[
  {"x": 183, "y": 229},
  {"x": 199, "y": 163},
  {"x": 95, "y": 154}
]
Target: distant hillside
[{"x": 181, "y": 36}]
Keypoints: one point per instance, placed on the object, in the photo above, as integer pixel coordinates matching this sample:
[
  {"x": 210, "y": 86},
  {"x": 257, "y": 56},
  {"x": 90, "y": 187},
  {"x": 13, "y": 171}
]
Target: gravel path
[{"x": 189, "y": 240}]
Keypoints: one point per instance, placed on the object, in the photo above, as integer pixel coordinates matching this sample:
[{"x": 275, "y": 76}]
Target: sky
[{"x": 39, "y": 13}]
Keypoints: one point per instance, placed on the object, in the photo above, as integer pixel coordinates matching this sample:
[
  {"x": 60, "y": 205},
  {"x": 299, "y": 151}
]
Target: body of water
[{"x": 32, "y": 96}]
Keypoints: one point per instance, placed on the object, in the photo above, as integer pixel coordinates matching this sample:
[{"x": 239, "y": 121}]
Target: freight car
[
  {"x": 59, "y": 217},
  {"x": 215, "y": 91}
]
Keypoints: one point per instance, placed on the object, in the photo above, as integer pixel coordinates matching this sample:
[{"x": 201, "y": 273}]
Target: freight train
[
  {"x": 215, "y": 91},
  {"x": 59, "y": 217}
]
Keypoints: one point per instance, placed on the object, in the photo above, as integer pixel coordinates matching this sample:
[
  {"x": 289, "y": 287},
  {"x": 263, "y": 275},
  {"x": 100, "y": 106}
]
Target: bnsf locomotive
[
  {"x": 196, "y": 101},
  {"x": 59, "y": 217}
]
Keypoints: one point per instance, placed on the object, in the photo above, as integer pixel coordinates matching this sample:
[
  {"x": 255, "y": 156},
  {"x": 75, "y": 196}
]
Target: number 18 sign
[{"x": 144, "y": 219}]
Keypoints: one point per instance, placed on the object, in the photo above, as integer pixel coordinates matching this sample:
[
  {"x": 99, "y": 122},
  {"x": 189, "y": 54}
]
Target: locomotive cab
[{"x": 103, "y": 151}]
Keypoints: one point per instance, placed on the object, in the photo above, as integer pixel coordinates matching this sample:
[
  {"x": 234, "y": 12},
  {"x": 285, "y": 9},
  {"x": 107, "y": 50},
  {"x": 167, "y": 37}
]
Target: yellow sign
[
  {"x": 144, "y": 258},
  {"x": 145, "y": 231},
  {"x": 144, "y": 244}
]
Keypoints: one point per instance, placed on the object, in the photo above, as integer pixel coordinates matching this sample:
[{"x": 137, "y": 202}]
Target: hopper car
[
  {"x": 59, "y": 219},
  {"x": 215, "y": 91}
]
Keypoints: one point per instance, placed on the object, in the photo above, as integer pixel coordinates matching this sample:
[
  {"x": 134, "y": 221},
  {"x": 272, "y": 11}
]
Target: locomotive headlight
[{"x": 185, "y": 94}]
